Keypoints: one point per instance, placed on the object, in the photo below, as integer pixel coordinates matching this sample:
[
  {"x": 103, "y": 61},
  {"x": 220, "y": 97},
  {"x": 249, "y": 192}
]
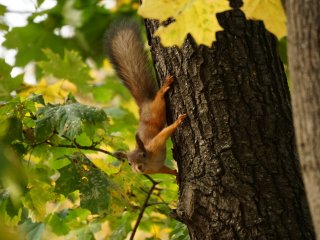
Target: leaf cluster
[{"x": 58, "y": 175}]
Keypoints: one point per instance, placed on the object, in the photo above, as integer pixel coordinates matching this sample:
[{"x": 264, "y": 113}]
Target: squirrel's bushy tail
[{"x": 125, "y": 50}]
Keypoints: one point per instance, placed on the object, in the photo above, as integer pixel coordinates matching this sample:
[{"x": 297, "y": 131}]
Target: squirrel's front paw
[
  {"x": 169, "y": 80},
  {"x": 181, "y": 118}
]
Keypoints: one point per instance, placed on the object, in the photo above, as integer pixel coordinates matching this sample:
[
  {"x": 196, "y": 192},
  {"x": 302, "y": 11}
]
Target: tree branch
[
  {"x": 76, "y": 145},
  {"x": 144, "y": 206}
]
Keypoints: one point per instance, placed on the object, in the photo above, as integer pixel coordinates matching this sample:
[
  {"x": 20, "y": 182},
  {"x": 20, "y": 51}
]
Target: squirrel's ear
[
  {"x": 120, "y": 155},
  {"x": 140, "y": 143}
]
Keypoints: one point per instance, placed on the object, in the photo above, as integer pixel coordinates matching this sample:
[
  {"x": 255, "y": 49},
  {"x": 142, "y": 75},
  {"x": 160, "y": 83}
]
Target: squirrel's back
[{"x": 125, "y": 50}]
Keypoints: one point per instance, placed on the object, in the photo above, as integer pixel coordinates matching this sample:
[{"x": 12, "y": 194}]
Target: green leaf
[
  {"x": 43, "y": 129},
  {"x": 123, "y": 120},
  {"x": 180, "y": 232},
  {"x": 282, "y": 46},
  {"x": 31, "y": 230},
  {"x": 85, "y": 234},
  {"x": 68, "y": 181},
  {"x": 123, "y": 226},
  {"x": 8, "y": 108},
  {"x": 7, "y": 83},
  {"x": 68, "y": 120},
  {"x": 76, "y": 217},
  {"x": 13, "y": 136},
  {"x": 37, "y": 98},
  {"x": 39, "y": 2},
  {"x": 107, "y": 91},
  {"x": 3, "y": 9},
  {"x": 31, "y": 39},
  {"x": 37, "y": 198},
  {"x": 93, "y": 183},
  {"x": 70, "y": 67},
  {"x": 3, "y": 26},
  {"x": 9, "y": 213},
  {"x": 58, "y": 224}
]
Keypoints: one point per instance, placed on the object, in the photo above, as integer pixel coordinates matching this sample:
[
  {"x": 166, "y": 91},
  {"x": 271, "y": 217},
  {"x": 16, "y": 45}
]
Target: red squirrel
[{"x": 125, "y": 49}]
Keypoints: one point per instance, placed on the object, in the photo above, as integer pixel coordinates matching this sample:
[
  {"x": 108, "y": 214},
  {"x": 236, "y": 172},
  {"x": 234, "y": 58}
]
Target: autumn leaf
[
  {"x": 270, "y": 11},
  {"x": 203, "y": 26},
  {"x": 198, "y": 18}
]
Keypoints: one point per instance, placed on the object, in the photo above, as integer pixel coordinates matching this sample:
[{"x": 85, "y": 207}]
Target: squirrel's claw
[
  {"x": 169, "y": 80},
  {"x": 181, "y": 118}
]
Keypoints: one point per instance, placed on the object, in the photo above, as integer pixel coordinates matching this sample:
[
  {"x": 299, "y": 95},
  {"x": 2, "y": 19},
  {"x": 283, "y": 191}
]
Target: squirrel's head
[{"x": 138, "y": 157}]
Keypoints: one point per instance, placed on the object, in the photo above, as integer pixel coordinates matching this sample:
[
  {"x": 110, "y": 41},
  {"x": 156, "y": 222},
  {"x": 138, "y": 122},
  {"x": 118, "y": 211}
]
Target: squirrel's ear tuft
[
  {"x": 122, "y": 156},
  {"x": 140, "y": 143}
]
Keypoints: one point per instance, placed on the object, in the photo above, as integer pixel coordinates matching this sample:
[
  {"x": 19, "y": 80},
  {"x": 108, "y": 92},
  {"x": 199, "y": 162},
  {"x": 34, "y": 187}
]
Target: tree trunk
[
  {"x": 239, "y": 173},
  {"x": 304, "y": 56}
]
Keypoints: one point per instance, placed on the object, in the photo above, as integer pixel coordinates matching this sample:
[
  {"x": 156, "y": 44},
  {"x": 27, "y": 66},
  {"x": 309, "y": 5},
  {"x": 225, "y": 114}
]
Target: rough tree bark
[
  {"x": 239, "y": 173},
  {"x": 304, "y": 63}
]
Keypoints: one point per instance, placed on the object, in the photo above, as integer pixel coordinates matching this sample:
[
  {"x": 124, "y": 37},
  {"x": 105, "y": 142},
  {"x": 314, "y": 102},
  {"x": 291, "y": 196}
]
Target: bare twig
[{"x": 144, "y": 206}]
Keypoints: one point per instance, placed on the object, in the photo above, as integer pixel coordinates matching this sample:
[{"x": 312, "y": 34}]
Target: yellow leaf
[
  {"x": 162, "y": 9},
  {"x": 55, "y": 92},
  {"x": 197, "y": 17},
  {"x": 270, "y": 11}
]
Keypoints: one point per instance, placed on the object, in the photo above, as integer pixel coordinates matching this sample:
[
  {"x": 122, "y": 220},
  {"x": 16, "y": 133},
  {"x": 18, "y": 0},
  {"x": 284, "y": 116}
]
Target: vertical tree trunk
[
  {"x": 304, "y": 63},
  {"x": 239, "y": 173}
]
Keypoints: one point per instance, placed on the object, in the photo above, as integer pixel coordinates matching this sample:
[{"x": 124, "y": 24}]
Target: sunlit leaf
[
  {"x": 67, "y": 120},
  {"x": 70, "y": 67},
  {"x": 203, "y": 26},
  {"x": 36, "y": 199},
  {"x": 93, "y": 184},
  {"x": 271, "y": 12}
]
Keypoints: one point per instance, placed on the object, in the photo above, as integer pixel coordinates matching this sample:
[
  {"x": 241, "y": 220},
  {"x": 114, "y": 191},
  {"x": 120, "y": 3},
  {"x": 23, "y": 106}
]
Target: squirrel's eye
[
  {"x": 129, "y": 164},
  {"x": 144, "y": 155}
]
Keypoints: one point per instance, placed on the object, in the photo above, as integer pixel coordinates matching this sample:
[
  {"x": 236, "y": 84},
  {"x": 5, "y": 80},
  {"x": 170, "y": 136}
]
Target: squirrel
[{"x": 125, "y": 49}]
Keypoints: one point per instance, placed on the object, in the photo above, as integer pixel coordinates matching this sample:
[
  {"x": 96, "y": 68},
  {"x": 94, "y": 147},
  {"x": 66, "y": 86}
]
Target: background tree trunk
[
  {"x": 304, "y": 63},
  {"x": 239, "y": 173}
]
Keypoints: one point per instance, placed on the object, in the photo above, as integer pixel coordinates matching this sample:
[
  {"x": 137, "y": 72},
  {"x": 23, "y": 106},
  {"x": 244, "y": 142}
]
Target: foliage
[
  {"x": 58, "y": 175},
  {"x": 204, "y": 23}
]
